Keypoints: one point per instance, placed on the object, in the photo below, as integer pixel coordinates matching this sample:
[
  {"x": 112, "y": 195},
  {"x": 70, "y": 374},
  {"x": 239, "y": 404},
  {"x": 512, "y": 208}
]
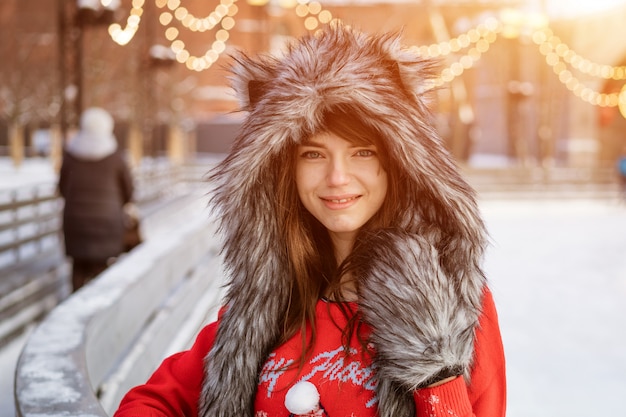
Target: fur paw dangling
[{"x": 303, "y": 400}]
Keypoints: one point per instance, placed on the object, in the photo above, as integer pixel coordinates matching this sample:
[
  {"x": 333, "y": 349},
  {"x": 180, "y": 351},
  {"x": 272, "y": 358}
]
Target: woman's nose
[{"x": 338, "y": 173}]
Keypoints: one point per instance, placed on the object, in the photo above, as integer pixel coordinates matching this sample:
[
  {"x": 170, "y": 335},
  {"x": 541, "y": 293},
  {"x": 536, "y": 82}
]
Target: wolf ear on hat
[
  {"x": 251, "y": 78},
  {"x": 256, "y": 91},
  {"x": 414, "y": 71},
  {"x": 393, "y": 69}
]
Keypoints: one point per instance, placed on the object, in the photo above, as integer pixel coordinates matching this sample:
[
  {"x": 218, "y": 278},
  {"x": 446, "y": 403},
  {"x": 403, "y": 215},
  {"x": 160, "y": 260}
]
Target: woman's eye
[
  {"x": 365, "y": 152},
  {"x": 311, "y": 155}
]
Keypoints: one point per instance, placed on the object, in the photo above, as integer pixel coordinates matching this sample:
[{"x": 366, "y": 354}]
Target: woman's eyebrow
[{"x": 313, "y": 144}]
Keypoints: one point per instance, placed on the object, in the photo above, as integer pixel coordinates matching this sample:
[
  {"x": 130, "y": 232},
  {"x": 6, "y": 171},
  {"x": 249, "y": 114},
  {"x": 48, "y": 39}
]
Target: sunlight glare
[{"x": 575, "y": 8}]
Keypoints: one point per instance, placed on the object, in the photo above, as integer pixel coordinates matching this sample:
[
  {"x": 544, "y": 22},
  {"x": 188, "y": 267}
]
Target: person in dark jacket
[{"x": 95, "y": 182}]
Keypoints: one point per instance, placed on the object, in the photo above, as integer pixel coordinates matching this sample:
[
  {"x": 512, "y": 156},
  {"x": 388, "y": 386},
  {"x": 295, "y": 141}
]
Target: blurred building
[{"x": 507, "y": 98}]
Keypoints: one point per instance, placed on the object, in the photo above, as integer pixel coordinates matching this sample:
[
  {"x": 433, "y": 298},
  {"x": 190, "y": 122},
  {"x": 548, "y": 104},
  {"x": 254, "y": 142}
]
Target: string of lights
[
  {"x": 124, "y": 35},
  {"x": 223, "y": 15},
  {"x": 476, "y": 41},
  {"x": 551, "y": 45},
  {"x": 313, "y": 14},
  {"x": 558, "y": 56},
  {"x": 191, "y": 22}
]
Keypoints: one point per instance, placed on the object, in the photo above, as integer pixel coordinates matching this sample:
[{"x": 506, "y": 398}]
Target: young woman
[{"x": 353, "y": 250}]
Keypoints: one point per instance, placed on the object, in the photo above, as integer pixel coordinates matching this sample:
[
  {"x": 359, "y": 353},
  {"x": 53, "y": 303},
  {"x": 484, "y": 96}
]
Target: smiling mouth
[{"x": 340, "y": 202}]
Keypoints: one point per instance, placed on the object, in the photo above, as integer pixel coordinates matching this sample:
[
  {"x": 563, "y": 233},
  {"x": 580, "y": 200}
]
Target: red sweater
[{"x": 344, "y": 382}]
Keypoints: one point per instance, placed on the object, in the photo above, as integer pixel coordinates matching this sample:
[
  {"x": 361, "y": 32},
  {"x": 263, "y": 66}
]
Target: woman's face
[{"x": 340, "y": 183}]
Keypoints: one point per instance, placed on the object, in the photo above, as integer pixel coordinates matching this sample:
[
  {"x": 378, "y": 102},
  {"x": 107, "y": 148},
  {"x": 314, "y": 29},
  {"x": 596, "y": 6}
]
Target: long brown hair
[{"x": 314, "y": 268}]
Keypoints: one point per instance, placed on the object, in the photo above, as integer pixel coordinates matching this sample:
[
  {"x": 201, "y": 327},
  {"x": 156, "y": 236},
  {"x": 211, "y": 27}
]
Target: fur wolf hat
[{"x": 285, "y": 98}]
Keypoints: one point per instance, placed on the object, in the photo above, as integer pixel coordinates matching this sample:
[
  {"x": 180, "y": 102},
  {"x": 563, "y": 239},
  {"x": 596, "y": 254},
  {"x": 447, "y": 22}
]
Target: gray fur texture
[
  {"x": 422, "y": 319},
  {"x": 429, "y": 273}
]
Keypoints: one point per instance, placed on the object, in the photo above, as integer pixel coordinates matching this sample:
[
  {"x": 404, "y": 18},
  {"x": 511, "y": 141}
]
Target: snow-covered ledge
[{"x": 111, "y": 334}]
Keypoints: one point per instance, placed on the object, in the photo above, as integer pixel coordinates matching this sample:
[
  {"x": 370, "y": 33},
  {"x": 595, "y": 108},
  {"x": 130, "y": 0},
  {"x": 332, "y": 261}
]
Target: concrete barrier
[{"x": 111, "y": 334}]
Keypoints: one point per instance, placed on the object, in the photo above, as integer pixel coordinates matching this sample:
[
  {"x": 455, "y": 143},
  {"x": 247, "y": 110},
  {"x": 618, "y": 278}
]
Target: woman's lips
[{"x": 339, "y": 202}]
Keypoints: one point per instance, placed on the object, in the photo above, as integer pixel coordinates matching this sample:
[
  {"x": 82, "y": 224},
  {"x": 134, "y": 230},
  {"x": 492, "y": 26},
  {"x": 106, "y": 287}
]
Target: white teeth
[{"x": 343, "y": 200}]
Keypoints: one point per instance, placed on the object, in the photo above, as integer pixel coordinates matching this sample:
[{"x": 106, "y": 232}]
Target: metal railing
[
  {"x": 33, "y": 269},
  {"x": 29, "y": 223},
  {"x": 112, "y": 333}
]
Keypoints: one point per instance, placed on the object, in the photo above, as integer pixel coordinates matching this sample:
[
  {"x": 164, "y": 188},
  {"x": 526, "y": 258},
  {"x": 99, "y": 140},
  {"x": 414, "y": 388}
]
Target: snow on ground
[
  {"x": 32, "y": 171},
  {"x": 558, "y": 273}
]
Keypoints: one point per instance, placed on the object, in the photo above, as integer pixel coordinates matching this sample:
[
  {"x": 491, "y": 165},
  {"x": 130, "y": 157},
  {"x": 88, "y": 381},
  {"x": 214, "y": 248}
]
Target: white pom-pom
[{"x": 302, "y": 398}]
